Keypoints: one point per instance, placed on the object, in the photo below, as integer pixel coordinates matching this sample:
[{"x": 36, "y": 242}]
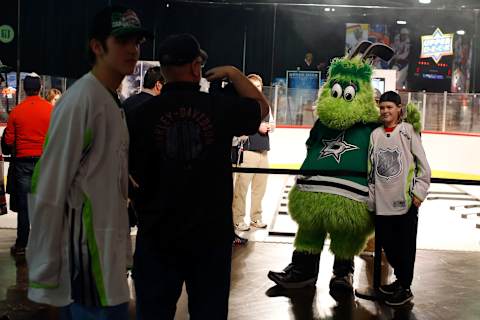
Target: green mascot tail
[{"x": 413, "y": 117}]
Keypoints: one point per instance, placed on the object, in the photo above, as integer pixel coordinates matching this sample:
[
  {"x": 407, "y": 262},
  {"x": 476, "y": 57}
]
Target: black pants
[
  {"x": 398, "y": 236},
  {"x": 159, "y": 278}
]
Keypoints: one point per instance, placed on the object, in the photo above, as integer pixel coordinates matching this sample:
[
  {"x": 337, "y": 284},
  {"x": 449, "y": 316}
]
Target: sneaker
[
  {"x": 341, "y": 283},
  {"x": 389, "y": 289},
  {"x": 400, "y": 297},
  {"x": 242, "y": 226},
  {"x": 17, "y": 251},
  {"x": 258, "y": 224},
  {"x": 239, "y": 241},
  {"x": 292, "y": 278}
]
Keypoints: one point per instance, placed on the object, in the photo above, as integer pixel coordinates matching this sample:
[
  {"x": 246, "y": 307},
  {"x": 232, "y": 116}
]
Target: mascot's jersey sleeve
[{"x": 343, "y": 156}]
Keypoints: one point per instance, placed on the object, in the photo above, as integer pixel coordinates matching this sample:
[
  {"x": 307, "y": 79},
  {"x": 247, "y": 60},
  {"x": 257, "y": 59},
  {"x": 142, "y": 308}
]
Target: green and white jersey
[
  {"x": 342, "y": 155},
  {"x": 77, "y": 250},
  {"x": 398, "y": 169}
]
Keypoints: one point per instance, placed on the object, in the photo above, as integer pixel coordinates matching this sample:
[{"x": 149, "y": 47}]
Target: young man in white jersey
[{"x": 77, "y": 253}]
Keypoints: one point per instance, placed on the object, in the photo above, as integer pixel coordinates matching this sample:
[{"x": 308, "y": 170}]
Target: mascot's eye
[
  {"x": 336, "y": 90},
  {"x": 349, "y": 93}
]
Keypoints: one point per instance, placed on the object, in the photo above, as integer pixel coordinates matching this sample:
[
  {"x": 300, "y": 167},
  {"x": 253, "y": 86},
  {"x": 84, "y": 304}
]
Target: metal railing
[{"x": 444, "y": 112}]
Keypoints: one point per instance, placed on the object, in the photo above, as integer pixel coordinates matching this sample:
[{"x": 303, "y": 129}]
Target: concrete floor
[{"x": 446, "y": 286}]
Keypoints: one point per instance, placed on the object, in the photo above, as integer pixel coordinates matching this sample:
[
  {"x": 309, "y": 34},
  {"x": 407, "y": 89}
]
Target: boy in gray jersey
[{"x": 399, "y": 178}]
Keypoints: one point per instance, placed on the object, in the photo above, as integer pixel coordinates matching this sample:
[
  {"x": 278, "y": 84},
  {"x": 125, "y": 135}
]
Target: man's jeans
[{"x": 23, "y": 171}]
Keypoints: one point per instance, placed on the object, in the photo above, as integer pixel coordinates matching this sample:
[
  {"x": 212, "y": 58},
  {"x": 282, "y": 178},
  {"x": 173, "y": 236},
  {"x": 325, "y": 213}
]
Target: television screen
[{"x": 379, "y": 84}]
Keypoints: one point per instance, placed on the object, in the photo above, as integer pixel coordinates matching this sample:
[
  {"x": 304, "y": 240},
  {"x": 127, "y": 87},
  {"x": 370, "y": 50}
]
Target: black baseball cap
[
  {"x": 32, "y": 82},
  {"x": 117, "y": 21},
  {"x": 180, "y": 49}
]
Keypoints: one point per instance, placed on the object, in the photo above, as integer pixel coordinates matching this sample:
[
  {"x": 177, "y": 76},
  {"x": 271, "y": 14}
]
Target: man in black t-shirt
[
  {"x": 152, "y": 85},
  {"x": 180, "y": 158}
]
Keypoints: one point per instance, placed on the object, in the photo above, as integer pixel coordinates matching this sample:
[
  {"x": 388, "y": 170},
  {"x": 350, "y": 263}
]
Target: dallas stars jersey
[
  {"x": 398, "y": 169},
  {"x": 342, "y": 155}
]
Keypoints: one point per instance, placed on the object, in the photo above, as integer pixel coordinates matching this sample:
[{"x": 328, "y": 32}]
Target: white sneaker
[
  {"x": 258, "y": 224},
  {"x": 242, "y": 226}
]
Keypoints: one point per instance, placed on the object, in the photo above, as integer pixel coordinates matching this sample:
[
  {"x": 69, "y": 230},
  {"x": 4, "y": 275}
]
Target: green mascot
[{"x": 335, "y": 202}]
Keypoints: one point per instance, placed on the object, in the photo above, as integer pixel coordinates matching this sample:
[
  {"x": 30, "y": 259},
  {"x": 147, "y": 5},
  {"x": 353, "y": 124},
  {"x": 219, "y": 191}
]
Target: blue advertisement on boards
[
  {"x": 303, "y": 79},
  {"x": 303, "y": 89}
]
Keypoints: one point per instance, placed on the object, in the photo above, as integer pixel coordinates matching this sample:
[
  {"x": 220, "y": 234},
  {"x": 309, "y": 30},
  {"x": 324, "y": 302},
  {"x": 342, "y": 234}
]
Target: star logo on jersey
[{"x": 336, "y": 147}]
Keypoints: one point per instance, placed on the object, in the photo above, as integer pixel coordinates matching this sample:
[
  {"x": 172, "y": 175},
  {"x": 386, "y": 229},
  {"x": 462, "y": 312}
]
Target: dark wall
[
  {"x": 218, "y": 29},
  {"x": 54, "y": 33},
  {"x": 8, "y": 16}
]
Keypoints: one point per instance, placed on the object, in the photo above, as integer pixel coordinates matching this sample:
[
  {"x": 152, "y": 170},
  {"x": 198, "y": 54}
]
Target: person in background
[
  {"x": 308, "y": 64},
  {"x": 3, "y": 200},
  {"x": 255, "y": 155},
  {"x": 78, "y": 248},
  {"x": 25, "y": 135},
  {"x": 153, "y": 82},
  {"x": 398, "y": 181},
  {"x": 53, "y": 95},
  {"x": 400, "y": 61}
]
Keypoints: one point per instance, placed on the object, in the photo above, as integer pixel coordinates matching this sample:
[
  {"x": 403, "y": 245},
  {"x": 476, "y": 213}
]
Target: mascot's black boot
[
  {"x": 302, "y": 272},
  {"x": 342, "y": 279}
]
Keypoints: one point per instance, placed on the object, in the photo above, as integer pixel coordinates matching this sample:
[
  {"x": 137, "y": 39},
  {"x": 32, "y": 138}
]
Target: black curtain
[
  {"x": 218, "y": 29},
  {"x": 8, "y": 17},
  {"x": 301, "y": 30},
  {"x": 54, "y": 33}
]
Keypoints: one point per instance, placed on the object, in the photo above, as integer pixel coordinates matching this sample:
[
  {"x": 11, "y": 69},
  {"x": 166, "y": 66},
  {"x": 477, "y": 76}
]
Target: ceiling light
[
  {"x": 460, "y": 32},
  {"x": 333, "y": 9},
  {"x": 401, "y": 22},
  {"x": 327, "y": 9},
  {"x": 425, "y": 1}
]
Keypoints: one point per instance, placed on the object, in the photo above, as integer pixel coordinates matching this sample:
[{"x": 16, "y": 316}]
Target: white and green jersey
[
  {"x": 342, "y": 156},
  {"x": 398, "y": 169},
  {"x": 77, "y": 249}
]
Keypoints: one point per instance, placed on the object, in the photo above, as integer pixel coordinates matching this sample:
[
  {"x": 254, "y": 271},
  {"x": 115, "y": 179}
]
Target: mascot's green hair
[
  {"x": 338, "y": 113},
  {"x": 350, "y": 68}
]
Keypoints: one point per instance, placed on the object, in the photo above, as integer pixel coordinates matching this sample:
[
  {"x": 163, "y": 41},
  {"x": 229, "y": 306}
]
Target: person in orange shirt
[{"x": 25, "y": 134}]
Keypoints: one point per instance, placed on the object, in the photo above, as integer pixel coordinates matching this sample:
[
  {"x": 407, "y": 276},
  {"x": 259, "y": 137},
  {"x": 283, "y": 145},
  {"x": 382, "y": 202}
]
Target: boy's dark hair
[
  {"x": 151, "y": 77},
  {"x": 391, "y": 96},
  {"x": 91, "y": 55}
]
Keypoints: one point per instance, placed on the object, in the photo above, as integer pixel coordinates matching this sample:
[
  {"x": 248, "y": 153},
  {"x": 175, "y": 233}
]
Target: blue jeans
[
  {"x": 23, "y": 171},
  {"x": 159, "y": 277},
  {"x": 77, "y": 311}
]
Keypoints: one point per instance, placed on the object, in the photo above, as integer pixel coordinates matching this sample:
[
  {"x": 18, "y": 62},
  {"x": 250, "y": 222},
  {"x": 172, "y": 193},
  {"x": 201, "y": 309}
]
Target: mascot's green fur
[
  {"x": 346, "y": 102},
  {"x": 335, "y": 202},
  {"x": 347, "y": 221}
]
